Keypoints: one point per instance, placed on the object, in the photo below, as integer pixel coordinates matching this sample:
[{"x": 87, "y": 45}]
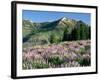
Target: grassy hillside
[
  {"x": 64, "y": 54},
  {"x": 54, "y": 32}
]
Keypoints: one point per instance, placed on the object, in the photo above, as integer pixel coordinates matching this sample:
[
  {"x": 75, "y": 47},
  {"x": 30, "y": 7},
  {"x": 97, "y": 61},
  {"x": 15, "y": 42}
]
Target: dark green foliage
[
  {"x": 39, "y": 65},
  {"x": 52, "y": 39},
  {"x": 55, "y": 38},
  {"x": 55, "y": 60},
  {"x": 75, "y": 34},
  {"x": 81, "y": 32},
  {"x": 66, "y": 35},
  {"x": 88, "y": 32},
  {"x": 84, "y": 61},
  {"x": 82, "y": 51}
]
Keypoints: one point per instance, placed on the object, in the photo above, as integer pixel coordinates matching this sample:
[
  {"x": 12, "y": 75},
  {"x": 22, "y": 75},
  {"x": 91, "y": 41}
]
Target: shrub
[
  {"x": 84, "y": 61},
  {"x": 82, "y": 51},
  {"x": 39, "y": 65},
  {"x": 55, "y": 38},
  {"x": 55, "y": 60}
]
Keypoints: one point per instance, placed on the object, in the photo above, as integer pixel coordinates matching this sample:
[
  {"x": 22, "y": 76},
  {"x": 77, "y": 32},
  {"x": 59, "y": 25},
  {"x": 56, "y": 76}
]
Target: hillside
[
  {"x": 60, "y": 30},
  {"x": 65, "y": 54}
]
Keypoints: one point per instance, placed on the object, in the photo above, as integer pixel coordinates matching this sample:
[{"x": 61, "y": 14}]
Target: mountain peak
[{"x": 63, "y": 18}]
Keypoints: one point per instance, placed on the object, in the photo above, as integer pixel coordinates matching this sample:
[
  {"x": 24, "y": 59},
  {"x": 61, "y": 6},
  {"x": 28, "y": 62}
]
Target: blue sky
[{"x": 46, "y": 16}]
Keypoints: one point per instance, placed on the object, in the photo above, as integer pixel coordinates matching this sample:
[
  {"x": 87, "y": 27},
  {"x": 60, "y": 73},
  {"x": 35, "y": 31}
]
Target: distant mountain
[{"x": 63, "y": 29}]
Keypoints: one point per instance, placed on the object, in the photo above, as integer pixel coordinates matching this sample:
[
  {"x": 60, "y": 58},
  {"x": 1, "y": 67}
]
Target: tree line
[{"x": 81, "y": 32}]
